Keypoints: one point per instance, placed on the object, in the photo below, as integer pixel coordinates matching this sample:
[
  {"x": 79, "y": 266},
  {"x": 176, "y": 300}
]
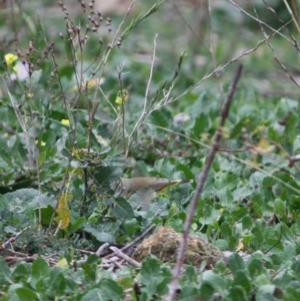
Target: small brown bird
[{"x": 128, "y": 187}]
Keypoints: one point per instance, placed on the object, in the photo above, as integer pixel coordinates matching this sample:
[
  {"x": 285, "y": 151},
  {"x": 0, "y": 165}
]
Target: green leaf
[
  {"x": 247, "y": 222},
  {"x": 106, "y": 175},
  {"x": 210, "y": 215},
  {"x": 3, "y": 202},
  {"x": 100, "y": 236},
  {"x": 236, "y": 263},
  {"x": 111, "y": 290},
  {"x": 39, "y": 273},
  {"x": 154, "y": 277},
  {"x": 287, "y": 233},
  {"x": 42, "y": 157},
  {"x": 65, "y": 152},
  {"x": 40, "y": 269},
  {"x": 237, "y": 129},
  {"x": 108, "y": 290},
  {"x": 131, "y": 227},
  {"x": 26, "y": 294},
  {"x": 237, "y": 293},
  {"x": 226, "y": 230},
  {"x": 5, "y": 273},
  {"x": 66, "y": 71},
  {"x": 90, "y": 268},
  {"x": 189, "y": 292},
  {"x": 233, "y": 242},
  {"x": 222, "y": 244},
  {"x": 123, "y": 209},
  {"x": 296, "y": 267},
  {"x": 78, "y": 224},
  {"x": 29, "y": 198},
  {"x": 216, "y": 281},
  {"x": 241, "y": 280},
  {"x": 188, "y": 173},
  {"x": 279, "y": 207},
  {"x": 206, "y": 291},
  {"x": 35, "y": 77},
  {"x": 291, "y": 293},
  {"x": 242, "y": 192},
  {"x": 92, "y": 259},
  {"x": 255, "y": 267},
  {"x": 46, "y": 214},
  {"x": 94, "y": 294},
  {"x": 57, "y": 284},
  {"x": 201, "y": 125},
  {"x": 258, "y": 238},
  {"x": 21, "y": 271},
  {"x": 162, "y": 118},
  {"x": 265, "y": 293},
  {"x": 190, "y": 273}
]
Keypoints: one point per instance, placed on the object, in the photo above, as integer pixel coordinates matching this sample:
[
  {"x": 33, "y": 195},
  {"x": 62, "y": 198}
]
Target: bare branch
[
  {"x": 214, "y": 148},
  {"x": 120, "y": 254}
]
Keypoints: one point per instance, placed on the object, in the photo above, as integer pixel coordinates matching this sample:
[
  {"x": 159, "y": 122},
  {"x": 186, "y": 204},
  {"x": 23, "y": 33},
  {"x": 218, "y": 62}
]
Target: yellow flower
[
  {"x": 95, "y": 82},
  {"x": 42, "y": 143},
  {"x": 264, "y": 146},
  {"x": 63, "y": 263},
  {"x": 65, "y": 122},
  {"x": 122, "y": 97},
  {"x": 10, "y": 59}
]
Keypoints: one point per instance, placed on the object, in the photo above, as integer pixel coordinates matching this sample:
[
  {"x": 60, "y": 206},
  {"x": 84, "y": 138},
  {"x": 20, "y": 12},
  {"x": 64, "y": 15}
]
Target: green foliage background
[{"x": 177, "y": 79}]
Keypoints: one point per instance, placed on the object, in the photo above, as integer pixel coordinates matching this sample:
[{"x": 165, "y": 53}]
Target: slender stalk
[{"x": 180, "y": 256}]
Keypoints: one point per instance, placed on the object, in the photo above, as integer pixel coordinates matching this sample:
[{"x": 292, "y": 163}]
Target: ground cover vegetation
[{"x": 200, "y": 90}]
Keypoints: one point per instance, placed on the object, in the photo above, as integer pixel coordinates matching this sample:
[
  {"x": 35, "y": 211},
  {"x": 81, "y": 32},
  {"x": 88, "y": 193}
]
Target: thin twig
[
  {"x": 120, "y": 254},
  {"x": 295, "y": 158},
  {"x": 146, "y": 99},
  {"x": 22, "y": 123},
  {"x": 102, "y": 248},
  {"x": 139, "y": 238},
  {"x": 38, "y": 172},
  {"x": 276, "y": 57},
  {"x": 188, "y": 24},
  {"x": 85, "y": 252},
  {"x": 12, "y": 239},
  {"x": 59, "y": 224},
  {"x": 116, "y": 262},
  {"x": 259, "y": 21},
  {"x": 7, "y": 128},
  {"x": 113, "y": 42},
  {"x": 292, "y": 159},
  {"x": 282, "y": 22},
  {"x": 229, "y": 150},
  {"x": 292, "y": 15},
  {"x": 120, "y": 70},
  {"x": 140, "y": 18},
  {"x": 214, "y": 148},
  {"x": 213, "y": 57},
  {"x": 218, "y": 69},
  {"x": 135, "y": 241}
]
